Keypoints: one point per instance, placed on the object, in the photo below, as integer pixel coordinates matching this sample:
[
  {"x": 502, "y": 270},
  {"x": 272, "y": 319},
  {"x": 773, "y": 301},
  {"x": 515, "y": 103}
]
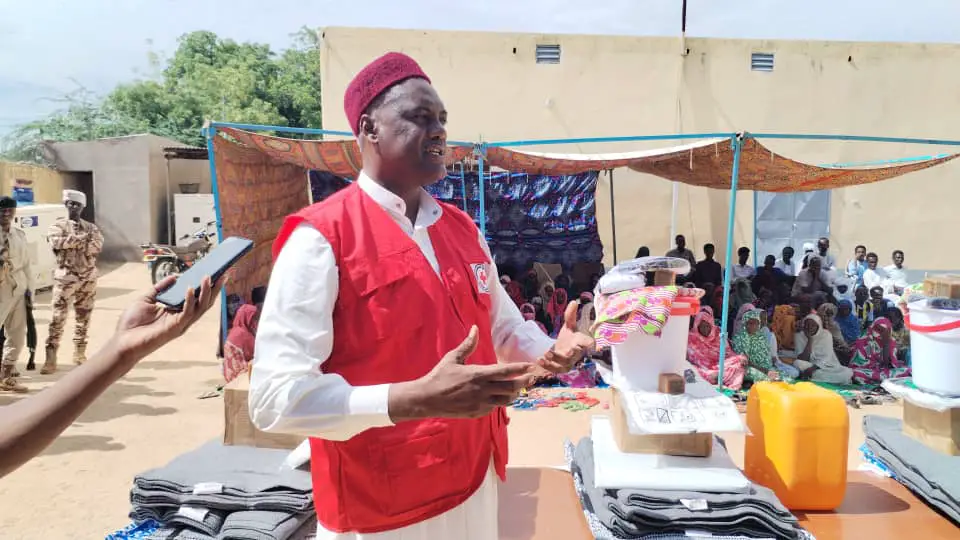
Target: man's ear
[{"x": 368, "y": 128}]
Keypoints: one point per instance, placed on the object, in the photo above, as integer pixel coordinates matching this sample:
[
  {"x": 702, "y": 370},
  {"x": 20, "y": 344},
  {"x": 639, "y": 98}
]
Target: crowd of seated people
[
  {"x": 790, "y": 319},
  {"x": 805, "y": 319}
]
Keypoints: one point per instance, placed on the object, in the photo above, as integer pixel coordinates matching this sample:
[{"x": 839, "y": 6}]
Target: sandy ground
[{"x": 78, "y": 488}]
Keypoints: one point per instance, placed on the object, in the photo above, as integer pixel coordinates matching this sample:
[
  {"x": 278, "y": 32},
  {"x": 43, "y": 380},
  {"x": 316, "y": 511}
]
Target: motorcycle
[{"x": 164, "y": 260}]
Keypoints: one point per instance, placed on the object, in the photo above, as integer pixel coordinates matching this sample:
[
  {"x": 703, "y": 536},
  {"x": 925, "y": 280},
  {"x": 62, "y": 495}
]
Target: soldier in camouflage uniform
[{"x": 76, "y": 244}]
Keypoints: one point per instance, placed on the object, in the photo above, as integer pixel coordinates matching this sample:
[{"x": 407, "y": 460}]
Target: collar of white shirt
[{"x": 430, "y": 210}]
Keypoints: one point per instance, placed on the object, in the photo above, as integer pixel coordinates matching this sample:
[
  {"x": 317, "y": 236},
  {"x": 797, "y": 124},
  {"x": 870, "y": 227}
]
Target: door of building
[{"x": 790, "y": 219}]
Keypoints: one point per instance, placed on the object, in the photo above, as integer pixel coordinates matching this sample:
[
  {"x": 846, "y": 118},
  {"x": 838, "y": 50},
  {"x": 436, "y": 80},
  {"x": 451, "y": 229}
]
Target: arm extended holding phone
[{"x": 214, "y": 264}]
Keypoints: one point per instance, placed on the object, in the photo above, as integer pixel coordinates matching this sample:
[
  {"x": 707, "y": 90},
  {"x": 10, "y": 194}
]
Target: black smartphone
[{"x": 214, "y": 264}]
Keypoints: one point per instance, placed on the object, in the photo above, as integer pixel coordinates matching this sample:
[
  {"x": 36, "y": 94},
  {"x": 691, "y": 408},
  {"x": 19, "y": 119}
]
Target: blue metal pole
[
  {"x": 210, "y": 132},
  {"x": 483, "y": 196},
  {"x": 728, "y": 272},
  {"x": 463, "y": 188},
  {"x": 756, "y": 198}
]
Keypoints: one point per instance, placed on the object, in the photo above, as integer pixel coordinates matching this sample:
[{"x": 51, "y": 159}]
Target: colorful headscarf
[
  {"x": 529, "y": 313},
  {"x": 849, "y": 325},
  {"x": 704, "y": 351},
  {"x": 557, "y": 306},
  {"x": 755, "y": 346},
  {"x": 870, "y": 346},
  {"x": 739, "y": 319}
]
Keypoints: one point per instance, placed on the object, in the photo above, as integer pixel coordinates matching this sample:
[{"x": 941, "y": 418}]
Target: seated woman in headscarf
[
  {"x": 514, "y": 290},
  {"x": 541, "y": 314},
  {"x": 743, "y": 294},
  {"x": 784, "y": 325},
  {"x": 787, "y": 370},
  {"x": 530, "y": 314},
  {"x": 875, "y": 355},
  {"x": 556, "y": 307},
  {"x": 828, "y": 314},
  {"x": 816, "y": 358},
  {"x": 751, "y": 342},
  {"x": 900, "y": 335},
  {"x": 703, "y": 351},
  {"x": 238, "y": 349},
  {"x": 738, "y": 320},
  {"x": 848, "y": 322}
]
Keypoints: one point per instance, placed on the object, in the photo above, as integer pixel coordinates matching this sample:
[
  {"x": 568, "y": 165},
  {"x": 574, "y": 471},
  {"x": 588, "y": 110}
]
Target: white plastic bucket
[
  {"x": 639, "y": 361},
  {"x": 934, "y": 348}
]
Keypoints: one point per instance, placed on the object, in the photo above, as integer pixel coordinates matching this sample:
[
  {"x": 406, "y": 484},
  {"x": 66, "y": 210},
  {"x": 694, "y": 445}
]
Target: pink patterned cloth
[{"x": 637, "y": 310}]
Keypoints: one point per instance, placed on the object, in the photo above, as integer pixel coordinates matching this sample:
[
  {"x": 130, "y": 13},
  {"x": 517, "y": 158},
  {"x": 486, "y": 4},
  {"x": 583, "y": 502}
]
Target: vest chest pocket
[{"x": 390, "y": 299}]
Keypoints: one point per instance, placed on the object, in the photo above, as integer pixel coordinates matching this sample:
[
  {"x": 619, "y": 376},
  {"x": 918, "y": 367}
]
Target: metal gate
[{"x": 790, "y": 219}]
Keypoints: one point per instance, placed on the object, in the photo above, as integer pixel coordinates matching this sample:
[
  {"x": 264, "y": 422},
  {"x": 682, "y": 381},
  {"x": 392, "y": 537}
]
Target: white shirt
[
  {"x": 897, "y": 276},
  {"x": 877, "y": 277},
  {"x": 789, "y": 269},
  {"x": 288, "y": 391},
  {"x": 743, "y": 271}
]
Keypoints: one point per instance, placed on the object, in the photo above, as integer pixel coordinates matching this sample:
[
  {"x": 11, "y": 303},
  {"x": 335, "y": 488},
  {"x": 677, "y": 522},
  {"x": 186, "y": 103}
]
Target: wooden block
[
  {"x": 944, "y": 285},
  {"x": 671, "y": 383},
  {"x": 689, "y": 445},
  {"x": 238, "y": 430},
  {"x": 937, "y": 430},
  {"x": 663, "y": 278}
]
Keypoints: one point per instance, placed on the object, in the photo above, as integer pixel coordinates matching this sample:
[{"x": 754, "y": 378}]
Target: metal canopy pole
[
  {"x": 737, "y": 145},
  {"x": 613, "y": 218},
  {"x": 479, "y": 150},
  {"x": 756, "y": 199}
]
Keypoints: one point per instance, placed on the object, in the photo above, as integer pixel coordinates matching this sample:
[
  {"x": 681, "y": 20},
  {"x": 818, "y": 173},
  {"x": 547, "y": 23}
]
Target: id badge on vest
[{"x": 481, "y": 272}]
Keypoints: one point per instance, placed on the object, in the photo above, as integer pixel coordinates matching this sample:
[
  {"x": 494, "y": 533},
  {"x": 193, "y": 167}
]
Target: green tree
[{"x": 206, "y": 78}]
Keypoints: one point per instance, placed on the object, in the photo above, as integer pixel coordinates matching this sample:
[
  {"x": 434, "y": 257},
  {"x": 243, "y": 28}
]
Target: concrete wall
[
  {"x": 47, "y": 184},
  {"x": 129, "y": 179},
  {"x": 610, "y": 86}
]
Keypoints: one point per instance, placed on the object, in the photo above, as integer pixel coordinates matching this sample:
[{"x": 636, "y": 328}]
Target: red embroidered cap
[{"x": 373, "y": 80}]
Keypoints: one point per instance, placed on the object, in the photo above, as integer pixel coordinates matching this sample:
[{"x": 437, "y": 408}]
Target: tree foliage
[{"x": 206, "y": 78}]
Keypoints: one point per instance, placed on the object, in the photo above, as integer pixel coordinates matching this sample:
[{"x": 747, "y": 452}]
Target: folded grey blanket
[
  {"x": 281, "y": 501},
  {"x": 262, "y": 525},
  {"x": 246, "y": 525},
  {"x": 639, "y": 513},
  {"x": 201, "y": 520},
  {"x": 933, "y": 476},
  {"x": 226, "y": 478}
]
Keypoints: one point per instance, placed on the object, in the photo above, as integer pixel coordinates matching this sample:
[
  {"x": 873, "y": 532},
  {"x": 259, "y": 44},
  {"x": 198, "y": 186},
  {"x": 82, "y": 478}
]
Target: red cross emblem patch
[{"x": 483, "y": 277}]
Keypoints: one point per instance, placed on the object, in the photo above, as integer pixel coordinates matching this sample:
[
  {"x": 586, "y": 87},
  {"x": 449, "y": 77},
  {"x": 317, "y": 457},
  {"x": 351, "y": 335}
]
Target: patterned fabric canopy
[
  {"x": 705, "y": 163},
  {"x": 709, "y": 163},
  {"x": 341, "y": 158}
]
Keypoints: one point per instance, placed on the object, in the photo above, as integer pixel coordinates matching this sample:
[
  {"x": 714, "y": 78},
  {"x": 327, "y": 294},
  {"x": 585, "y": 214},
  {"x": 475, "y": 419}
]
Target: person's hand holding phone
[{"x": 148, "y": 325}]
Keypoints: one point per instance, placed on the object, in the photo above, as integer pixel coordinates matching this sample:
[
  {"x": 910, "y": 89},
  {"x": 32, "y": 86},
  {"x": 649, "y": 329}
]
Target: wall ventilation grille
[
  {"x": 548, "y": 54},
  {"x": 761, "y": 61}
]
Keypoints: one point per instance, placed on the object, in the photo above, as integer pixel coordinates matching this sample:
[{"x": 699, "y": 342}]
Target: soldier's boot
[
  {"x": 8, "y": 382},
  {"x": 50, "y": 362},
  {"x": 80, "y": 353}
]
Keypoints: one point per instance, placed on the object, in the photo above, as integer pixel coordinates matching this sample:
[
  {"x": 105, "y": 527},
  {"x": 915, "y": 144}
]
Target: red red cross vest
[{"x": 394, "y": 318}]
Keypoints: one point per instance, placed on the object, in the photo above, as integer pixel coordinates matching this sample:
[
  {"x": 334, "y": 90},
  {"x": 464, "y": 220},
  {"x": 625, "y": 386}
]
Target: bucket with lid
[
  {"x": 641, "y": 358},
  {"x": 934, "y": 347}
]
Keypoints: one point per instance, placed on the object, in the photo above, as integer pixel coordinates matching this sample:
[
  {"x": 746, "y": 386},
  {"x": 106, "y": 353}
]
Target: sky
[{"x": 49, "y": 48}]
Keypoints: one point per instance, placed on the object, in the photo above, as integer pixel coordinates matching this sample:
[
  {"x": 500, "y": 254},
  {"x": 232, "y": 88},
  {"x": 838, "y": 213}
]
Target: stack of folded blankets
[
  {"x": 662, "y": 514},
  {"x": 224, "y": 493},
  {"x": 933, "y": 476}
]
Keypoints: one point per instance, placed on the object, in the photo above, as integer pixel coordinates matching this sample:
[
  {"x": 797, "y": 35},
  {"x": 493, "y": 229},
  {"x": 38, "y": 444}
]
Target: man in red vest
[{"x": 381, "y": 331}]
